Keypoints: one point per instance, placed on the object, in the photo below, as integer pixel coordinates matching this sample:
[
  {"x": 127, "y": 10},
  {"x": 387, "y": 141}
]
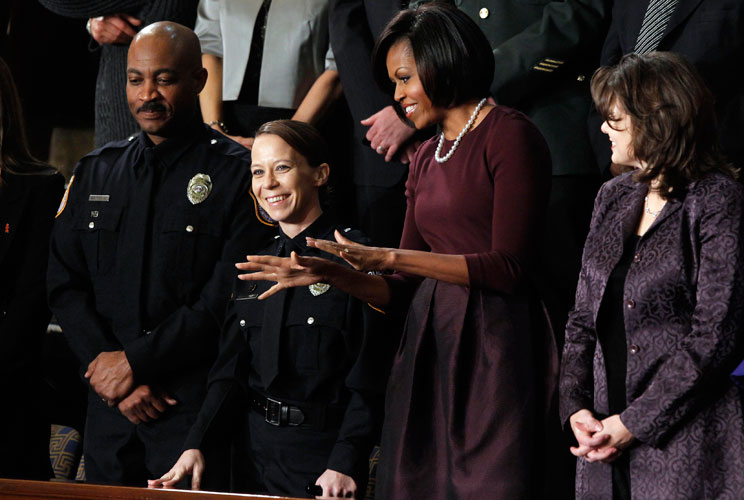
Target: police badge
[
  {"x": 319, "y": 288},
  {"x": 199, "y": 188}
]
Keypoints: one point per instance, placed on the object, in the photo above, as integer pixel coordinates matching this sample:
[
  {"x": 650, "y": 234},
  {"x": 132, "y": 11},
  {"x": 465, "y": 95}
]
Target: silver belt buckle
[{"x": 273, "y": 412}]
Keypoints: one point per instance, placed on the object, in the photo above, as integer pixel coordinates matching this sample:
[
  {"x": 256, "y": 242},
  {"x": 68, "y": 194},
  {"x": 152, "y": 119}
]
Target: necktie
[
  {"x": 654, "y": 23},
  {"x": 271, "y": 331},
  {"x": 135, "y": 242}
]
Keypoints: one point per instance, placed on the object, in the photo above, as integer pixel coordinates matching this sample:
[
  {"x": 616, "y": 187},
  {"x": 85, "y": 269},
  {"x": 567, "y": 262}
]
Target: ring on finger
[
  {"x": 380, "y": 149},
  {"x": 346, "y": 250}
]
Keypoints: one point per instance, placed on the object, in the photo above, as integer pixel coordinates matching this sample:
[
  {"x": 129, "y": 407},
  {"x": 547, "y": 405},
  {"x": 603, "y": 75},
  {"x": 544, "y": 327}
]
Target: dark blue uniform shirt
[{"x": 136, "y": 265}]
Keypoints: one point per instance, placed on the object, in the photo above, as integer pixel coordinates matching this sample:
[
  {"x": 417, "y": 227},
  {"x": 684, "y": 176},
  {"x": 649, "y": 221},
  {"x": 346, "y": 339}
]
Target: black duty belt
[{"x": 280, "y": 414}]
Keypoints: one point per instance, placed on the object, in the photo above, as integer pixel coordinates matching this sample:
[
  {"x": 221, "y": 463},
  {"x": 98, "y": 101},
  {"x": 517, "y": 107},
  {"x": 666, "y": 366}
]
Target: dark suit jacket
[
  {"x": 354, "y": 26},
  {"x": 545, "y": 53},
  {"x": 710, "y": 34},
  {"x": 684, "y": 304},
  {"x": 27, "y": 207}
]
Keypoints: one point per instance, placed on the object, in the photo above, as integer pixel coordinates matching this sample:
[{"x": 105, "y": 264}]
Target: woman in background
[
  {"x": 29, "y": 196},
  {"x": 267, "y": 60},
  {"x": 657, "y": 324},
  {"x": 469, "y": 386}
]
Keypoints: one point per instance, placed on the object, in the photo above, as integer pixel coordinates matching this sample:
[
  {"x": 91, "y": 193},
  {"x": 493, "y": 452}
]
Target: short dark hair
[
  {"x": 672, "y": 116},
  {"x": 301, "y": 136},
  {"x": 453, "y": 57}
]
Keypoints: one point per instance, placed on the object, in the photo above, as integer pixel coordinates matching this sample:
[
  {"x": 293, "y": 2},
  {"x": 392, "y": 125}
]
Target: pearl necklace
[
  {"x": 649, "y": 211},
  {"x": 442, "y": 159}
]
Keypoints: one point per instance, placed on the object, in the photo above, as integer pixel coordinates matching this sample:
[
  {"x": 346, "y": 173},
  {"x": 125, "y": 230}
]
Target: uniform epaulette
[
  {"x": 226, "y": 146},
  {"x": 354, "y": 235},
  {"x": 113, "y": 145}
]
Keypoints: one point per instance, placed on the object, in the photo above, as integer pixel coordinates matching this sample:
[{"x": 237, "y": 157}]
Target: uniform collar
[
  {"x": 170, "y": 151},
  {"x": 321, "y": 228}
]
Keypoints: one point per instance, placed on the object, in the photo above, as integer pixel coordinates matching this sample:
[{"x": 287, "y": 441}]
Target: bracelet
[{"x": 219, "y": 124}]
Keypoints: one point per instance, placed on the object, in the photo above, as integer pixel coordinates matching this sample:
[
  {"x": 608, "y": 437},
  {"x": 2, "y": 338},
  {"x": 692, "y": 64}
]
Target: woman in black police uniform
[
  {"x": 298, "y": 371},
  {"x": 29, "y": 196}
]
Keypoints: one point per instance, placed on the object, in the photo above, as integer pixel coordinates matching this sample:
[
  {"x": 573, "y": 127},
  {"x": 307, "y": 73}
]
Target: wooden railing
[{"x": 12, "y": 489}]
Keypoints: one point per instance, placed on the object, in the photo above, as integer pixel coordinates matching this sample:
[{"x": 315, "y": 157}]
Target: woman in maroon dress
[{"x": 467, "y": 391}]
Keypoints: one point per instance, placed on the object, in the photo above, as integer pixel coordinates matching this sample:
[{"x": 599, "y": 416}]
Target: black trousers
[
  {"x": 280, "y": 460},
  {"x": 119, "y": 452}
]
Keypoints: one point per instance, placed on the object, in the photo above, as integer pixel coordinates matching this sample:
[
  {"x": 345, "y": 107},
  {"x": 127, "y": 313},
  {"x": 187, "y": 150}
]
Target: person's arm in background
[
  {"x": 566, "y": 31},
  {"x": 352, "y": 44},
  {"x": 113, "y": 28},
  {"x": 322, "y": 95},
  {"x": 109, "y": 20},
  {"x": 209, "y": 31}
]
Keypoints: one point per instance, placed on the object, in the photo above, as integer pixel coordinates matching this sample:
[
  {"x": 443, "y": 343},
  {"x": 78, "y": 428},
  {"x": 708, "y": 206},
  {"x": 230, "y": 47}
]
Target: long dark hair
[
  {"x": 15, "y": 156},
  {"x": 672, "y": 117}
]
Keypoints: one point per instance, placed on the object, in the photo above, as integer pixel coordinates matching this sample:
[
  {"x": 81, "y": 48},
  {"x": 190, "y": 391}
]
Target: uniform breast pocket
[
  {"x": 318, "y": 324},
  {"x": 191, "y": 244},
  {"x": 99, "y": 226}
]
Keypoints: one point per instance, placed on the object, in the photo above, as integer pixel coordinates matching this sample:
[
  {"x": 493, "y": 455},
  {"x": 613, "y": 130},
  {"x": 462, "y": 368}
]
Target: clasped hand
[
  {"x": 111, "y": 376},
  {"x": 297, "y": 270},
  {"x": 599, "y": 441}
]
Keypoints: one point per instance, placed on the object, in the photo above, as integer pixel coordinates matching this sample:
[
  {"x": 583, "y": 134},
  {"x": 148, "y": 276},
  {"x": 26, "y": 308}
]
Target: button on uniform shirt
[{"x": 135, "y": 265}]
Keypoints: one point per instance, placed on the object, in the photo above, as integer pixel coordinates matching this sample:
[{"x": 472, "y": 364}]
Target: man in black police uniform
[{"x": 141, "y": 262}]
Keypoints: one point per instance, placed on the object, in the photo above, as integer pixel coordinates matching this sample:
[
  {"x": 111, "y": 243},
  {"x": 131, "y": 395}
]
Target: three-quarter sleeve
[{"x": 519, "y": 162}]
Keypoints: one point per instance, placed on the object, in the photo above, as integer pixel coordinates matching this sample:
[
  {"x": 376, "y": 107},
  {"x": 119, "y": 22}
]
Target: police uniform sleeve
[
  {"x": 217, "y": 413},
  {"x": 183, "y": 338},
  {"x": 568, "y": 30},
  {"x": 69, "y": 286},
  {"x": 369, "y": 335}
]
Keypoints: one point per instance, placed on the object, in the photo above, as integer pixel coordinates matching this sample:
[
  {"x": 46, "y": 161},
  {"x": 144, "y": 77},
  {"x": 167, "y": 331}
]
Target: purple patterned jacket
[{"x": 684, "y": 298}]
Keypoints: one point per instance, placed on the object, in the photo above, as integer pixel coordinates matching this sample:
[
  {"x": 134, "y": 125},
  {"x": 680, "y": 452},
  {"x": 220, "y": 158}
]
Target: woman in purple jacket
[{"x": 656, "y": 327}]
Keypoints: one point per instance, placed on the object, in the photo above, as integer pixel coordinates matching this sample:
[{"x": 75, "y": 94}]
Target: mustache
[{"x": 151, "y": 107}]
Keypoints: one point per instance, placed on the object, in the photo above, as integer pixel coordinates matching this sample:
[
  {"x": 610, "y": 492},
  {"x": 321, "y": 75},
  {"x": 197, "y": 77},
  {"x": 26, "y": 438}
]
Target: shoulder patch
[
  {"x": 63, "y": 203},
  {"x": 261, "y": 214}
]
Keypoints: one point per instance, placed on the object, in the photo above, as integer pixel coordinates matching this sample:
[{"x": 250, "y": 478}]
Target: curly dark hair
[{"x": 672, "y": 116}]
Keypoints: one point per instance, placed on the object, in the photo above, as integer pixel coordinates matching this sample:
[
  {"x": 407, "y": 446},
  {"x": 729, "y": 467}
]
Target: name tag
[{"x": 98, "y": 197}]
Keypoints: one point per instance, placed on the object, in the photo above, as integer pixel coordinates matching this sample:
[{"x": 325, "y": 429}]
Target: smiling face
[
  {"x": 619, "y": 130},
  {"x": 162, "y": 85},
  {"x": 285, "y": 185},
  {"x": 409, "y": 91}
]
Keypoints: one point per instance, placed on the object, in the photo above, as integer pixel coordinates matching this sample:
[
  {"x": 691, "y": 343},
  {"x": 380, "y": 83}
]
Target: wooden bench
[{"x": 13, "y": 489}]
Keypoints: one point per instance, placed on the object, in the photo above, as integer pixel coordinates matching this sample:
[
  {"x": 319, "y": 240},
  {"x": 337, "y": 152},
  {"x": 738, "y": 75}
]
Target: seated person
[{"x": 302, "y": 374}]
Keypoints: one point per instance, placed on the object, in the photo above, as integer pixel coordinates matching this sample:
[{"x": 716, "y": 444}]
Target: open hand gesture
[
  {"x": 361, "y": 257},
  {"x": 285, "y": 271}
]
